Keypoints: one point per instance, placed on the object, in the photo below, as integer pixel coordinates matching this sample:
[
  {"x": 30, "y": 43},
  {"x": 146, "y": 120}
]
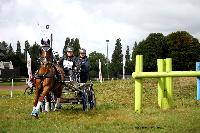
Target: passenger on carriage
[
  {"x": 67, "y": 62},
  {"x": 83, "y": 61}
]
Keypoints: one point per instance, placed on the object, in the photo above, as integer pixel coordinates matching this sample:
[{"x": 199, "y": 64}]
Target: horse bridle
[{"x": 45, "y": 60}]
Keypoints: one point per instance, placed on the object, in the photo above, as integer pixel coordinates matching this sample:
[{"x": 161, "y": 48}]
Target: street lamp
[{"x": 107, "y": 41}]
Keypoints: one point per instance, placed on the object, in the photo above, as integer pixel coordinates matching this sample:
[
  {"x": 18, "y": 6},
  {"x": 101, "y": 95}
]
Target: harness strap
[{"x": 42, "y": 76}]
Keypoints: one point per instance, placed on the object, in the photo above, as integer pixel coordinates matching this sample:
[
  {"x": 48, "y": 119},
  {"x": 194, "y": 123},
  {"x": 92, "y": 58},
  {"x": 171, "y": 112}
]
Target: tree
[
  {"x": 3, "y": 50},
  {"x": 10, "y": 50},
  {"x": 34, "y": 53},
  {"x": 67, "y": 44},
  {"x": 18, "y": 51},
  {"x": 135, "y": 45},
  {"x": 76, "y": 47},
  {"x": 184, "y": 50},
  {"x": 132, "y": 64},
  {"x": 117, "y": 60},
  {"x": 72, "y": 43},
  {"x": 128, "y": 69},
  {"x": 152, "y": 48},
  {"x": 94, "y": 64},
  {"x": 27, "y": 46},
  {"x": 4, "y": 44},
  {"x": 19, "y": 59}
]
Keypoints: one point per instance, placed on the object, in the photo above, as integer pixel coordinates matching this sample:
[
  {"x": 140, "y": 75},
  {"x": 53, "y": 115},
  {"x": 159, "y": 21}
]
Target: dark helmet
[
  {"x": 69, "y": 49},
  {"x": 82, "y": 51}
]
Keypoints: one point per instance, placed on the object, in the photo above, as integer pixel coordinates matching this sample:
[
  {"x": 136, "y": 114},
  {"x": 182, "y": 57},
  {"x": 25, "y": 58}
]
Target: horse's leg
[
  {"x": 58, "y": 96},
  {"x": 36, "y": 97},
  {"x": 48, "y": 84},
  {"x": 38, "y": 91},
  {"x": 48, "y": 99},
  {"x": 39, "y": 103},
  {"x": 41, "y": 98},
  {"x": 35, "y": 111}
]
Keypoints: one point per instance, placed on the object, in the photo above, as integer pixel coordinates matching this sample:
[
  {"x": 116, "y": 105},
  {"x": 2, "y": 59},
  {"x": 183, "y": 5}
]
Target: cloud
[{"x": 94, "y": 21}]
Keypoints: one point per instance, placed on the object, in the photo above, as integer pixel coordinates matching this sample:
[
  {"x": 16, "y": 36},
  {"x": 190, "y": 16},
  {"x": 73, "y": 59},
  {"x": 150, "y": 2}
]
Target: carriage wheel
[
  {"x": 92, "y": 99},
  {"x": 29, "y": 90},
  {"x": 85, "y": 100},
  {"x": 52, "y": 102}
]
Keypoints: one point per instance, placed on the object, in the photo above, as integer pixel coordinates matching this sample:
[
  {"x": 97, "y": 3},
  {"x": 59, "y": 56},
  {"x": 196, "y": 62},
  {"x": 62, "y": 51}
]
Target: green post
[
  {"x": 161, "y": 81},
  {"x": 168, "y": 89},
  {"x": 138, "y": 84},
  {"x": 169, "y": 84}
]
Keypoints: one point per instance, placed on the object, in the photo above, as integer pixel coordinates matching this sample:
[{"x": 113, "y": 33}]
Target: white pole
[
  {"x": 123, "y": 68},
  {"x": 11, "y": 95},
  {"x": 26, "y": 81},
  {"x": 107, "y": 59},
  {"x": 100, "y": 74}
]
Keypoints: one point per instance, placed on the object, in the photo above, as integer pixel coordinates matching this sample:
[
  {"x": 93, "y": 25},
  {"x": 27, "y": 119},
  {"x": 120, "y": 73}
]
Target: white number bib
[{"x": 67, "y": 64}]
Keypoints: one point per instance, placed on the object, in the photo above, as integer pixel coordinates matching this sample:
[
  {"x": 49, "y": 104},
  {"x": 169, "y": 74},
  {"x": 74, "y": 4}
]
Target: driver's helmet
[
  {"x": 82, "y": 51},
  {"x": 69, "y": 49}
]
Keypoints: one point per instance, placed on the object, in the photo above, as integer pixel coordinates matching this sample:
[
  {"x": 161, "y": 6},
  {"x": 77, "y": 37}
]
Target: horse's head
[{"x": 46, "y": 53}]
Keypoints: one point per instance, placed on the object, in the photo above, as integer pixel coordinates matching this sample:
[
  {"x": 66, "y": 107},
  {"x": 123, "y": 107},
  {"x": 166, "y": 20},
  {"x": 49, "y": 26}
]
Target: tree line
[{"x": 182, "y": 47}]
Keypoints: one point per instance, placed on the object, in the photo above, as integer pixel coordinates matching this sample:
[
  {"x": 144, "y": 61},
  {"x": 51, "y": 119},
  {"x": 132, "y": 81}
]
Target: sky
[{"x": 95, "y": 21}]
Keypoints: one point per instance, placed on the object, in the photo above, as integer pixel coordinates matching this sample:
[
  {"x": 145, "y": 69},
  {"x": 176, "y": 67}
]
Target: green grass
[
  {"x": 114, "y": 113},
  {"x": 10, "y": 83}
]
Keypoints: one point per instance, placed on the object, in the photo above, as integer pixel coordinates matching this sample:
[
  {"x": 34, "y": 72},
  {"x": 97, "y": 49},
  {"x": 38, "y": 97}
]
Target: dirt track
[{"x": 21, "y": 87}]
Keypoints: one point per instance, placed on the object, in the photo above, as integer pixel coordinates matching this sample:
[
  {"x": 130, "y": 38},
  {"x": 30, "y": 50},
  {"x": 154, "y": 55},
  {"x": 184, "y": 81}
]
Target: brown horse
[{"x": 46, "y": 82}]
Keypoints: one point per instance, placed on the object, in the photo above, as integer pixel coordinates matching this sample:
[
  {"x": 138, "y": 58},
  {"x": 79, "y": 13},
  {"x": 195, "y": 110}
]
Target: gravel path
[{"x": 21, "y": 87}]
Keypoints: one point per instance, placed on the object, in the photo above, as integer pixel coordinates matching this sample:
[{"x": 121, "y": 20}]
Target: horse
[{"x": 45, "y": 81}]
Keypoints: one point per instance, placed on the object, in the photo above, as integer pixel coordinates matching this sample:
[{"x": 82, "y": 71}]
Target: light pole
[
  {"x": 107, "y": 41},
  {"x": 51, "y": 39}
]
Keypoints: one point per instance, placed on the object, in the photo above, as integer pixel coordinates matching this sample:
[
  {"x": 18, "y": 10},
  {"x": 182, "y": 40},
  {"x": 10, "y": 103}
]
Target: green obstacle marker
[
  {"x": 165, "y": 85},
  {"x": 138, "y": 84}
]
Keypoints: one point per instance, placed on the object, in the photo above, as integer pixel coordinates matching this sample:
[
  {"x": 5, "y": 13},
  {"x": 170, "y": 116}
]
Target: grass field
[
  {"x": 114, "y": 113},
  {"x": 10, "y": 83}
]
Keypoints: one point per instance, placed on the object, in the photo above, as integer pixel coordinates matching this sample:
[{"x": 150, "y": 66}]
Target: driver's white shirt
[{"x": 67, "y": 64}]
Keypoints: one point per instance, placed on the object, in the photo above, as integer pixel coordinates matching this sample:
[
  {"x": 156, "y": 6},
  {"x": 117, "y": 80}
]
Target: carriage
[
  {"x": 52, "y": 92},
  {"x": 75, "y": 92}
]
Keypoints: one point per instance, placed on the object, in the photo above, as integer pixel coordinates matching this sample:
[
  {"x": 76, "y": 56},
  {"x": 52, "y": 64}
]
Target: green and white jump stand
[{"x": 165, "y": 85}]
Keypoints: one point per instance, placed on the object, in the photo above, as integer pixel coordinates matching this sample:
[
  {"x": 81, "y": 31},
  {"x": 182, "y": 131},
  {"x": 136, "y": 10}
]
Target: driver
[
  {"x": 85, "y": 65},
  {"x": 67, "y": 62}
]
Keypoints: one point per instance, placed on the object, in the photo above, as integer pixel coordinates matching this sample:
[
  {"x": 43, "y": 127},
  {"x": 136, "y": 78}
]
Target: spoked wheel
[
  {"x": 29, "y": 90},
  {"x": 53, "y": 102},
  {"x": 85, "y": 100},
  {"x": 92, "y": 99}
]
